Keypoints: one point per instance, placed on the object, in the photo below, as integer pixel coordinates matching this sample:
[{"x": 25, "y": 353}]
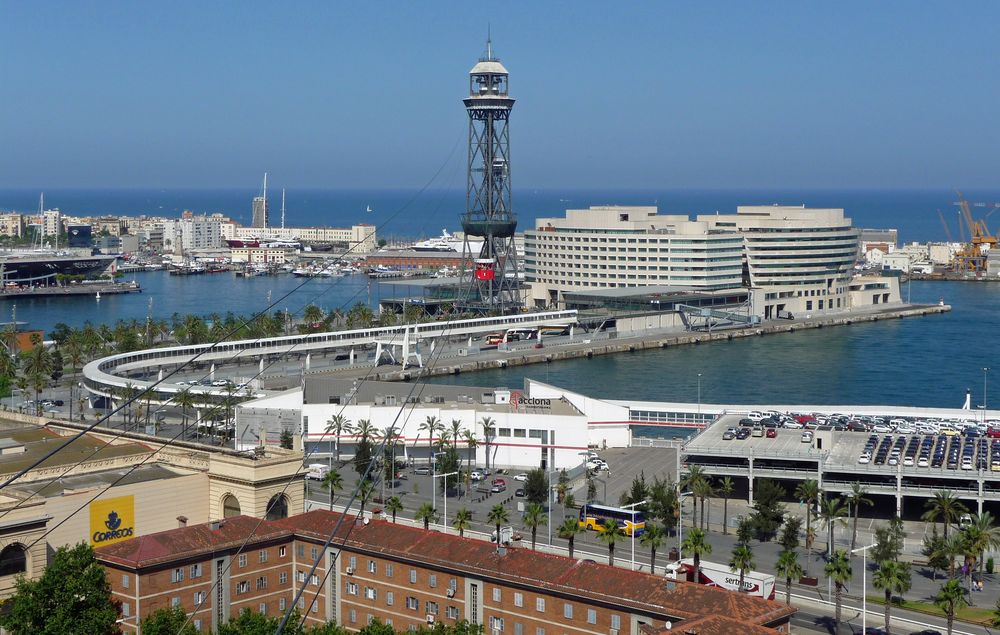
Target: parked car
[
  {"x": 771, "y": 433},
  {"x": 499, "y": 485},
  {"x": 519, "y": 492},
  {"x": 422, "y": 470},
  {"x": 476, "y": 475},
  {"x": 729, "y": 434},
  {"x": 807, "y": 436},
  {"x": 521, "y": 477}
]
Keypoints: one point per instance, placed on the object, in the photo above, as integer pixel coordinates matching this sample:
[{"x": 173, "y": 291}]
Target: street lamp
[
  {"x": 434, "y": 457},
  {"x": 985, "y": 370},
  {"x": 699, "y": 396},
  {"x": 632, "y": 536},
  {"x": 434, "y": 485},
  {"x": 864, "y": 584},
  {"x": 680, "y": 518}
]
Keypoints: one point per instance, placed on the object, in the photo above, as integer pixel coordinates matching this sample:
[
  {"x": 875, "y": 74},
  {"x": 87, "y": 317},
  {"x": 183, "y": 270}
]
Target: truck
[
  {"x": 714, "y": 574},
  {"x": 316, "y": 471}
]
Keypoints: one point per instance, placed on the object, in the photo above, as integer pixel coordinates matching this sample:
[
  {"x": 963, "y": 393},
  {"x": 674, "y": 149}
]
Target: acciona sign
[{"x": 518, "y": 401}]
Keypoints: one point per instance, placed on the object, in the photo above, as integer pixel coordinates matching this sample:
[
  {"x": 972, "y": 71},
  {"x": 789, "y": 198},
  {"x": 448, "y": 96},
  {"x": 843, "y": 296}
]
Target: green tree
[
  {"x": 462, "y": 521},
  {"x": 888, "y": 541},
  {"x": 286, "y": 440},
  {"x": 333, "y": 482},
  {"x": 365, "y": 489},
  {"x": 72, "y": 596},
  {"x": 534, "y": 516},
  {"x": 742, "y": 561},
  {"x": 838, "y": 569},
  {"x": 568, "y": 531},
  {"x": 703, "y": 489},
  {"x": 855, "y": 499},
  {"x": 611, "y": 533},
  {"x": 339, "y": 425},
  {"x": 768, "y": 508},
  {"x": 638, "y": 492},
  {"x": 168, "y": 621},
  {"x": 982, "y": 535},
  {"x": 807, "y": 492},
  {"x": 185, "y": 399},
  {"x": 891, "y": 577},
  {"x": 254, "y": 623},
  {"x": 788, "y": 567},
  {"x": 696, "y": 474},
  {"x": 426, "y": 514},
  {"x": 696, "y": 545},
  {"x": 498, "y": 515},
  {"x": 933, "y": 550},
  {"x": 536, "y": 487},
  {"x": 951, "y": 599},
  {"x": 394, "y": 505},
  {"x": 726, "y": 488},
  {"x": 944, "y": 505},
  {"x": 744, "y": 531},
  {"x": 652, "y": 537},
  {"x": 790, "y": 533}
]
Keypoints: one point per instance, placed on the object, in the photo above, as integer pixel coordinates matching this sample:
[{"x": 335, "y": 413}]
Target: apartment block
[
  {"x": 12, "y": 224},
  {"x": 406, "y": 577}
]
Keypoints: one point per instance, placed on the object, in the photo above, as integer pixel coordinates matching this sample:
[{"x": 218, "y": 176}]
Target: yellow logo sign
[{"x": 112, "y": 520}]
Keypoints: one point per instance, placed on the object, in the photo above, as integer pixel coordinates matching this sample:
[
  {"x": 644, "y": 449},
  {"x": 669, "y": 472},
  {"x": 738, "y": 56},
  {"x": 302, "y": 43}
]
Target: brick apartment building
[{"x": 407, "y": 577}]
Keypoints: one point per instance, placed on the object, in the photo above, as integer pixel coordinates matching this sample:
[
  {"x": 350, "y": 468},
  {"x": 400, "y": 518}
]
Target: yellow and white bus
[{"x": 632, "y": 521}]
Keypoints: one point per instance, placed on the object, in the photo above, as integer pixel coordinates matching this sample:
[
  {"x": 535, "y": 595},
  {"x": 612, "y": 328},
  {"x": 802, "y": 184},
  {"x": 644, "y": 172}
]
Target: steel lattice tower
[{"x": 492, "y": 285}]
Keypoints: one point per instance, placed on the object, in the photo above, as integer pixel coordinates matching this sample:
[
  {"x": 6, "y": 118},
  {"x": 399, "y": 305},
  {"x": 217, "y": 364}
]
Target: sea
[{"x": 928, "y": 361}]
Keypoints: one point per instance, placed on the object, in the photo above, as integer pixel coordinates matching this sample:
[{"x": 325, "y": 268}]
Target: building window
[
  {"x": 230, "y": 506},
  {"x": 263, "y": 608},
  {"x": 177, "y": 575},
  {"x": 616, "y": 622},
  {"x": 281, "y": 604},
  {"x": 370, "y": 593},
  {"x": 243, "y": 587},
  {"x": 314, "y": 555},
  {"x": 352, "y": 616},
  {"x": 518, "y": 628},
  {"x": 314, "y": 580},
  {"x": 262, "y": 582},
  {"x": 199, "y": 598},
  {"x": 496, "y": 623},
  {"x": 197, "y": 625},
  {"x": 243, "y": 560},
  {"x": 591, "y": 616},
  {"x": 496, "y": 594},
  {"x": 300, "y": 550},
  {"x": 283, "y": 577},
  {"x": 413, "y": 576},
  {"x": 540, "y": 605},
  {"x": 432, "y": 581},
  {"x": 281, "y": 552},
  {"x": 539, "y": 631},
  {"x": 452, "y": 612},
  {"x": 196, "y": 570},
  {"x": 432, "y": 608},
  {"x": 371, "y": 566},
  {"x": 412, "y": 603},
  {"x": 124, "y": 581},
  {"x": 389, "y": 598},
  {"x": 518, "y": 599},
  {"x": 175, "y": 602},
  {"x": 388, "y": 570},
  {"x": 262, "y": 556},
  {"x": 568, "y": 611},
  {"x": 126, "y": 609}
]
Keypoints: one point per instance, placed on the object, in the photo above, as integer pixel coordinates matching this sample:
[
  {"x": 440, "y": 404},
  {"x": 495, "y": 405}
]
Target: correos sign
[{"x": 112, "y": 520}]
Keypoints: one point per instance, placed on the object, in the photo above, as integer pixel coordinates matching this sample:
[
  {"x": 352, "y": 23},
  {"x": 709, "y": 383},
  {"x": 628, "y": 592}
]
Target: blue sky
[{"x": 629, "y": 95}]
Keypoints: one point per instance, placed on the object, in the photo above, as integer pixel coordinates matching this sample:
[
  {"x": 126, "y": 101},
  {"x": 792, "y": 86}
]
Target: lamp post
[
  {"x": 434, "y": 485},
  {"x": 864, "y": 585},
  {"x": 632, "y": 534},
  {"x": 434, "y": 457},
  {"x": 680, "y": 518},
  {"x": 985, "y": 371},
  {"x": 699, "y": 396}
]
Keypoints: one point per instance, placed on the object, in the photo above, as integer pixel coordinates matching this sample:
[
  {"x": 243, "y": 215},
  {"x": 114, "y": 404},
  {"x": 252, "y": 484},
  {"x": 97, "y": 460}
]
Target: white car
[
  {"x": 476, "y": 475},
  {"x": 755, "y": 416},
  {"x": 791, "y": 424},
  {"x": 521, "y": 477},
  {"x": 882, "y": 428},
  {"x": 864, "y": 459},
  {"x": 220, "y": 382}
]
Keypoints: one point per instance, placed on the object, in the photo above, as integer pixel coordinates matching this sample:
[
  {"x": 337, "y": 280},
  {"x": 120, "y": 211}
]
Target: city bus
[
  {"x": 632, "y": 521},
  {"x": 555, "y": 329}
]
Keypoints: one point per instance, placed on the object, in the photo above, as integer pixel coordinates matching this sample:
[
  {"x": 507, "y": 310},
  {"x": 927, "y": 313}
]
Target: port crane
[{"x": 971, "y": 257}]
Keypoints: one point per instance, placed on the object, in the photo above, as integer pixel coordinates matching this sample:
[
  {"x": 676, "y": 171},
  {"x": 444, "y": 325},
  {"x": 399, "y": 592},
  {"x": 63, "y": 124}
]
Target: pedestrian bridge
[{"x": 106, "y": 377}]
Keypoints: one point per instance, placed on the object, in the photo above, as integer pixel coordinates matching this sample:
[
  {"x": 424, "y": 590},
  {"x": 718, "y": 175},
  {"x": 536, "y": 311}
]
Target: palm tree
[
  {"x": 366, "y": 487},
  {"x": 333, "y": 482},
  {"x": 338, "y": 425},
  {"x": 838, "y": 569},
  {"x": 469, "y": 437},
  {"x": 983, "y": 536},
  {"x": 498, "y": 515},
  {"x": 652, "y": 537},
  {"x": 726, "y": 488},
  {"x": 951, "y": 599},
  {"x": 568, "y": 531},
  {"x": 695, "y": 475},
  {"x": 73, "y": 347},
  {"x": 462, "y": 521},
  {"x": 394, "y": 505},
  {"x": 534, "y": 516},
  {"x": 703, "y": 489},
  {"x": 185, "y": 399},
  {"x": 611, "y": 533},
  {"x": 742, "y": 561},
  {"x": 489, "y": 427},
  {"x": 856, "y": 498},
  {"x": 430, "y": 426},
  {"x": 891, "y": 577},
  {"x": 426, "y": 514},
  {"x": 832, "y": 511},
  {"x": 696, "y": 545},
  {"x": 365, "y": 431},
  {"x": 946, "y": 506},
  {"x": 788, "y": 567},
  {"x": 456, "y": 432},
  {"x": 808, "y": 493}
]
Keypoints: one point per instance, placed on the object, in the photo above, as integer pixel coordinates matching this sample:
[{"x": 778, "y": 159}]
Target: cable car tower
[{"x": 492, "y": 285}]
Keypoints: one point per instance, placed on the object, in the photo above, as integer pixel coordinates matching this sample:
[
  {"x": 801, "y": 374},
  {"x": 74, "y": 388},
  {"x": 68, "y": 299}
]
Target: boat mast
[
  {"x": 265, "y": 200},
  {"x": 41, "y": 218},
  {"x": 282, "y": 208}
]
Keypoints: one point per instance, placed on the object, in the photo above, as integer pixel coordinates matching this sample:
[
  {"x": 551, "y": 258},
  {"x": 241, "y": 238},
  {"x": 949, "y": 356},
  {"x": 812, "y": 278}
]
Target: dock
[{"x": 111, "y": 288}]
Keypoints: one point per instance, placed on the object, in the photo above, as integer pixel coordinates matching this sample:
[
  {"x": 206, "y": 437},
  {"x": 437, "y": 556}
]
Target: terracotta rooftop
[
  {"x": 711, "y": 625},
  {"x": 596, "y": 582}
]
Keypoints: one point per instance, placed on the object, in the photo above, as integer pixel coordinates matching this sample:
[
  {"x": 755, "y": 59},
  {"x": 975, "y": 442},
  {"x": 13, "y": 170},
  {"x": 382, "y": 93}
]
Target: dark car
[
  {"x": 743, "y": 433},
  {"x": 519, "y": 492}
]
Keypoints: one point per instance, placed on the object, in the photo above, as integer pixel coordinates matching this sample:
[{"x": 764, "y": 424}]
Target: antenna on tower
[{"x": 489, "y": 41}]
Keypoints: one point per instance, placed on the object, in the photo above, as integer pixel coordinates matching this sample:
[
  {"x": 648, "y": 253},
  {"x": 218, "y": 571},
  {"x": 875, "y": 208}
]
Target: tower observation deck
[{"x": 492, "y": 286}]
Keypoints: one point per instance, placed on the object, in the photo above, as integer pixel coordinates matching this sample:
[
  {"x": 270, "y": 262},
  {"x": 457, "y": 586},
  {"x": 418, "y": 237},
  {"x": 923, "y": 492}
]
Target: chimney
[
  {"x": 215, "y": 525},
  {"x": 182, "y": 521}
]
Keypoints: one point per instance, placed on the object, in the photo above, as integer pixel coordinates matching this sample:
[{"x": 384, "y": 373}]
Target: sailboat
[{"x": 369, "y": 209}]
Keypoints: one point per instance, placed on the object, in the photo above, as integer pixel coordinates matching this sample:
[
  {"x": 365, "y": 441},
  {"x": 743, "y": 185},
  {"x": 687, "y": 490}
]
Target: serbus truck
[
  {"x": 714, "y": 574},
  {"x": 632, "y": 521}
]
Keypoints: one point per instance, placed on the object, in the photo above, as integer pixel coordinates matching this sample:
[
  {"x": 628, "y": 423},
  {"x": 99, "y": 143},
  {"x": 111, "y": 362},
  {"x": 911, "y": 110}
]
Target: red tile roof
[{"x": 650, "y": 594}]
